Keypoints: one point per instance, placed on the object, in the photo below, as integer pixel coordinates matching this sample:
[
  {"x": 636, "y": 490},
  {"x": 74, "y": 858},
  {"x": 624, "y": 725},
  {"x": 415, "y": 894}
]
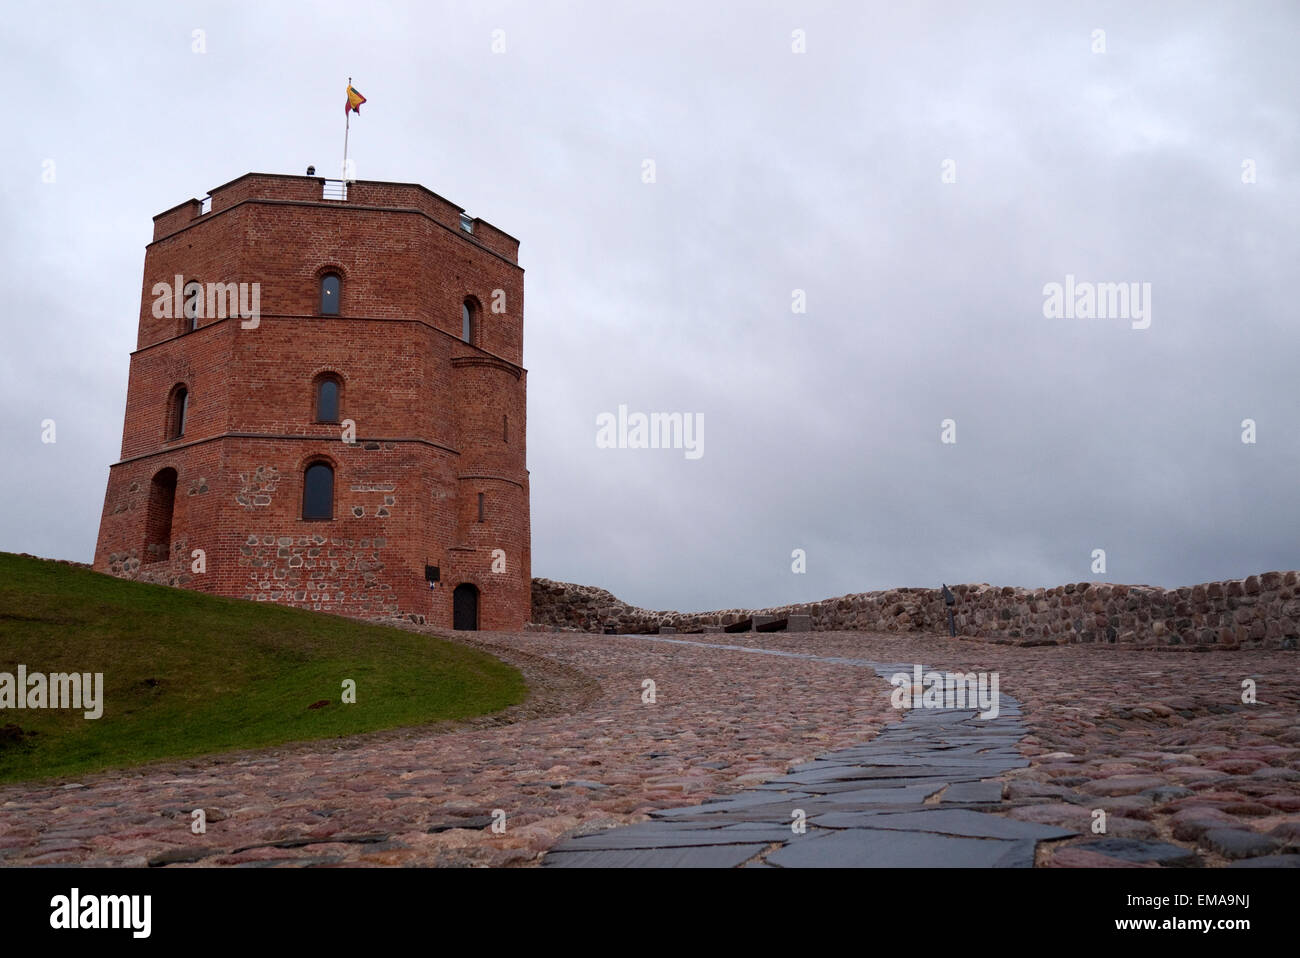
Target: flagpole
[{"x": 347, "y": 126}]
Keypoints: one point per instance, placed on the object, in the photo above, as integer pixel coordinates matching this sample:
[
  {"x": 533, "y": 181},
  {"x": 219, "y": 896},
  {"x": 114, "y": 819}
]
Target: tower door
[
  {"x": 464, "y": 604},
  {"x": 158, "y": 517}
]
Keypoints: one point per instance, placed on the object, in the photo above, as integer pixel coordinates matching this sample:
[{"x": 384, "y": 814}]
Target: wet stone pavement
[
  {"x": 918, "y": 795},
  {"x": 1186, "y": 771}
]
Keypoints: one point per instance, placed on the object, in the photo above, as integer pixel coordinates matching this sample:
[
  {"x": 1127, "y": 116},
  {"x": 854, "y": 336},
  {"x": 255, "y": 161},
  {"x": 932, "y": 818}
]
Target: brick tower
[{"x": 326, "y": 399}]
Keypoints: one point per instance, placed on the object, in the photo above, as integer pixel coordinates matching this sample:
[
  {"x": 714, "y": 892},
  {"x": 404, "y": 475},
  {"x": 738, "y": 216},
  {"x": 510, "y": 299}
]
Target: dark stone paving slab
[
  {"x": 1238, "y": 842},
  {"x": 883, "y": 796},
  {"x": 640, "y": 836},
  {"x": 770, "y": 813},
  {"x": 973, "y": 792},
  {"x": 947, "y": 821},
  {"x": 891, "y": 766},
  {"x": 1138, "y": 850},
  {"x": 779, "y": 814},
  {"x": 708, "y": 856},
  {"x": 853, "y": 775},
  {"x": 935, "y": 782},
  {"x": 992, "y": 764},
  {"x": 745, "y": 800},
  {"x": 884, "y": 849}
]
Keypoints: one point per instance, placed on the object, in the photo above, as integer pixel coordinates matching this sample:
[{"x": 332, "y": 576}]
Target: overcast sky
[{"x": 775, "y": 171}]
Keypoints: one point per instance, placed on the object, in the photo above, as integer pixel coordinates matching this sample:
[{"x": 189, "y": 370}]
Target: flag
[{"x": 355, "y": 100}]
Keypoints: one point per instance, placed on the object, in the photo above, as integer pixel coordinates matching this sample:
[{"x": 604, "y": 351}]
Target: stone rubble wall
[{"x": 1259, "y": 611}]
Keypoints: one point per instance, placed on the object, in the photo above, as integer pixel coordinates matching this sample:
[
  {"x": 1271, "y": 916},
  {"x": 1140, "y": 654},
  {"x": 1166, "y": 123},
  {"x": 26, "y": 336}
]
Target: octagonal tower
[{"x": 326, "y": 399}]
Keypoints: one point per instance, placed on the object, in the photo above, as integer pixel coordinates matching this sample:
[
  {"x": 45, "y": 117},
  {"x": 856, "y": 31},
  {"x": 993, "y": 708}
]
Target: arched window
[
  {"x": 327, "y": 398},
  {"x": 468, "y": 317},
  {"x": 331, "y": 288},
  {"x": 318, "y": 491},
  {"x": 192, "y": 305},
  {"x": 177, "y": 411}
]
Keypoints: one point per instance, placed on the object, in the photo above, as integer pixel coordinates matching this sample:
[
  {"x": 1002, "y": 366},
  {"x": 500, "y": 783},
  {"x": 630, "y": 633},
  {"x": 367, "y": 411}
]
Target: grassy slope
[{"x": 187, "y": 674}]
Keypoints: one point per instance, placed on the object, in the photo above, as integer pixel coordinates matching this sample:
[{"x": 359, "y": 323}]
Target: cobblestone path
[
  {"x": 916, "y": 796},
  {"x": 1162, "y": 742}
]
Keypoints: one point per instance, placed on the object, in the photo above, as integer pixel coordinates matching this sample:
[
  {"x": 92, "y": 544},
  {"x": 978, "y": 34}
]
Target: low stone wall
[
  {"x": 1258, "y": 611},
  {"x": 67, "y": 562}
]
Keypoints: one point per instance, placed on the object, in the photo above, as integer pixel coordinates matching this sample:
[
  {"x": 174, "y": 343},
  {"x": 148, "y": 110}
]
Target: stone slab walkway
[{"x": 918, "y": 795}]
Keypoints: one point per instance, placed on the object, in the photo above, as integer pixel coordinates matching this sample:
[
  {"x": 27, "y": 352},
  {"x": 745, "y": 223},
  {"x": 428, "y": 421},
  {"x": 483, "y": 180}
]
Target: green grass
[{"x": 189, "y": 674}]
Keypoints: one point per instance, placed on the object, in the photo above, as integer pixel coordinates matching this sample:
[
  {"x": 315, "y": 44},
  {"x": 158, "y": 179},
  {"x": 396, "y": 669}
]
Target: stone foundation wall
[{"x": 1258, "y": 611}]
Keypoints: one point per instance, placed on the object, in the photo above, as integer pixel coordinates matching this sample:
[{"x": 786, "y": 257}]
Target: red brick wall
[{"x": 427, "y": 407}]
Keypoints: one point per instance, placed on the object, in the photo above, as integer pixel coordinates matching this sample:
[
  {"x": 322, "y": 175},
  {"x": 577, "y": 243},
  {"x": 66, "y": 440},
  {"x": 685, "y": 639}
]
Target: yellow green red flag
[{"x": 355, "y": 100}]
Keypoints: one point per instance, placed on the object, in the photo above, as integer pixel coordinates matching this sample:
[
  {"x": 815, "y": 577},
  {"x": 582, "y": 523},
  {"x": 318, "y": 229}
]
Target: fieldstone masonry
[
  {"x": 1259, "y": 611},
  {"x": 315, "y": 570}
]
